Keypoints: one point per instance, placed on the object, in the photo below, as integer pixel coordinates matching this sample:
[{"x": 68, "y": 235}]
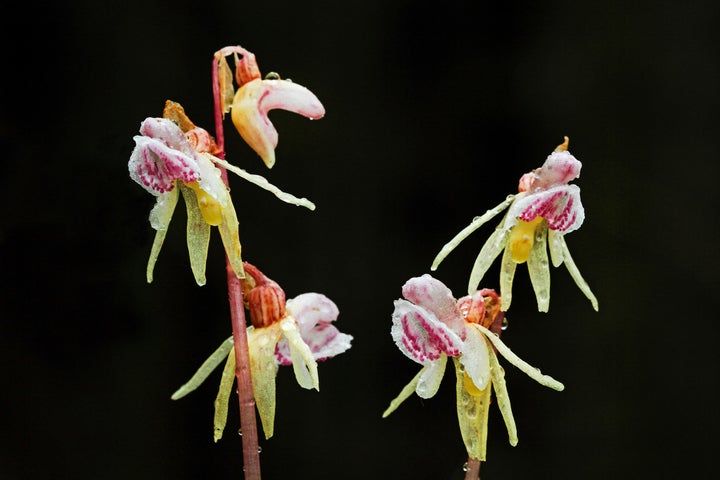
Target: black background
[{"x": 434, "y": 110}]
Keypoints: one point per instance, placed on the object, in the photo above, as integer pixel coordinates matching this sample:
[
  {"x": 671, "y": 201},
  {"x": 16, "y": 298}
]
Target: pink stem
[
  {"x": 472, "y": 471},
  {"x": 248, "y": 423}
]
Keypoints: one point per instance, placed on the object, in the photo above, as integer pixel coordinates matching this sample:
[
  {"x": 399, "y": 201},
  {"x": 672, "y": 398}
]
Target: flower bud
[{"x": 264, "y": 298}]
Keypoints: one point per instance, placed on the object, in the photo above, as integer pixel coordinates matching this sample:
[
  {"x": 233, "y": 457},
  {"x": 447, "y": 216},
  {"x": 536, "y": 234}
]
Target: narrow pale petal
[
  {"x": 261, "y": 182},
  {"x": 475, "y": 358},
  {"x": 198, "y": 235},
  {"x": 575, "y": 274},
  {"x": 205, "y": 369},
  {"x": 429, "y": 382},
  {"x": 160, "y": 217},
  {"x": 555, "y": 240},
  {"x": 261, "y": 348},
  {"x": 250, "y": 112},
  {"x": 230, "y": 235},
  {"x": 225, "y": 81},
  {"x": 472, "y": 412},
  {"x": 507, "y": 275},
  {"x": 223, "y": 396},
  {"x": 465, "y": 232},
  {"x": 539, "y": 269},
  {"x": 420, "y": 335},
  {"x": 502, "y": 397},
  {"x": 437, "y": 298},
  {"x": 560, "y": 206},
  {"x": 304, "y": 364},
  {"x": 405, "y": 393},
  {"x": 489, "y": 252},
  {"x": 530, "y": 371}
]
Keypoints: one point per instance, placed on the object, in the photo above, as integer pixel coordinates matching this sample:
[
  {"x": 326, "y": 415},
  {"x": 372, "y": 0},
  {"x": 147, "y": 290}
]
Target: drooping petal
[
  {"x": 420, "y": 335},
  {"x": 160, "y": 217},
  {"x": 314, "y": 314},
  {"x": 560, "y": 206},
  {"x": 489, "y": 252},
  {"x": 575, "y": 273},
  {"x": 539, "y": 269},
  {"x": 472, "y": 411},
  {"x": 432, "y": 375},
  {"x": 230, "y": 235},
  {"x": 437, "y": 298},
  {"x": 304, "y": 365},
  {"x": 250, "y": 112},
  {"x": 475, "y": 358},
  {"x": 555, "y": 240},
  {"x": 155, "y": 166},
  {"x": 503, "y": 398},
  {"x": 474, "y": 225},
  {"x": 405, "y": 393},
  {"x": 205, "y": 369},
  {"x": 261, "y": 348},
  {"x": 507, "y": 275},
  {"x": 198, "y": 235},
  {"x": 223, "y": 396},
  {"x": 530, "y": 371}
]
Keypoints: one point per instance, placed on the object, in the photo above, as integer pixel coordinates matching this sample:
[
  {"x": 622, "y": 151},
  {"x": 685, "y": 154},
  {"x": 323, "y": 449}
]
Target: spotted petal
[
  {"x": 560, "y": 206},
  {"x": 250, "y": 112},
  {"x": 434, "y": 296},
  {"x": 155, "y": 166},
  {"x": 314, "y": 314},
  {"x": 559, "y": 169},
  {"x": 420, "y": 335}
]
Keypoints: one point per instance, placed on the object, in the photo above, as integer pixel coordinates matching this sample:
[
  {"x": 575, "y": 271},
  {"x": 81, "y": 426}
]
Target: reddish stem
[
  {"x": 248, "y": 423},
  {"x": 472, "y": 469}
]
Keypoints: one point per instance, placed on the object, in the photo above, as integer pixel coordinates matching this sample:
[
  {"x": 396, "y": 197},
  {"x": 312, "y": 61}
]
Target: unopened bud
[{"x": 264, "y": 298}]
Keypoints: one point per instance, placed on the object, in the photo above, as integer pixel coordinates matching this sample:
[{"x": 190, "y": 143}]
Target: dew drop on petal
[{"x": 505, "y": 324}]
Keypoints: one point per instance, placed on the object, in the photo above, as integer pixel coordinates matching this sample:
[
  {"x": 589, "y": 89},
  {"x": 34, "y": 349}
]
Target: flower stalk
[{"x": 246, "y": 400}]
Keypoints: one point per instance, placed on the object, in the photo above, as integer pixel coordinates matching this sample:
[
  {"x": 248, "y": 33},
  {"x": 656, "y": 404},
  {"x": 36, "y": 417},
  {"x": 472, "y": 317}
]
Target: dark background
[{"x": 434, "y": 111}]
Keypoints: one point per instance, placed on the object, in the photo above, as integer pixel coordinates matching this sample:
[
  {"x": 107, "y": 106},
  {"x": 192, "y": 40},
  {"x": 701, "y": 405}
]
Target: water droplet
[
  {"x": 259, "y": 449},
  {"x": 505, "y": 324},
  {"x": 465, "y": 467},
  {"x": 272, "y": 76},
  {"x": 240, "y": 431}
]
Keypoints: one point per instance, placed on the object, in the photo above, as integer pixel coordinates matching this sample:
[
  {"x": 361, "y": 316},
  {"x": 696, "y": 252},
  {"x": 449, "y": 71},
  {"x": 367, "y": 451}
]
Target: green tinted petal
[
  {"x": 160, "y": 217},
  {"x": 575, "y": 274},
  {"x": 507, "y": 275},
  {"x": 198, "y": 235},
  {"x": 230, "y": 234},
  {"x": 223, "y": 396},
  {"x": 304, "y": 364},
  {"x": 463, "y": 234},
  {"x": 205, "y": 369},
  {"x": 404, "y": 394},
  {"x": 261, "y": 347},
  {"x": 501, "y": 395},
  {"x": 556, "y": 250},
  {"x": 472, "y": 411},
  {"x": 489, "y": 252},
  {"x": 539, "y": 268}
]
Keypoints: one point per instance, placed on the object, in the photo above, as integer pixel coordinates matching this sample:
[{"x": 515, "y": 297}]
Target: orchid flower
[
  {"x": 545, "y": 209},
  {"x": 429, "y": 326},
  {"x": 297, "y": 332},
  {"x": 255, "y": 97},
  {"x": 172, "y": 152}
]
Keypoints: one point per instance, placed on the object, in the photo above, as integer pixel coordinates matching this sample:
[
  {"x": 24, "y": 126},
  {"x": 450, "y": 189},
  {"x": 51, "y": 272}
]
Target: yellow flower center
[
  {"x": 470, "y": 386},
  {"x": 522, "y": 238},
  {"x": 210, "y": 208}
]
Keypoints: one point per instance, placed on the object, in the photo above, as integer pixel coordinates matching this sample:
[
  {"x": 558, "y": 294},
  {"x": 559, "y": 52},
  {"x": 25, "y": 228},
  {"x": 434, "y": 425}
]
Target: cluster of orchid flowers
[
  {"x": 173, "y": 156},
  {"x": 429, "y": 324}
]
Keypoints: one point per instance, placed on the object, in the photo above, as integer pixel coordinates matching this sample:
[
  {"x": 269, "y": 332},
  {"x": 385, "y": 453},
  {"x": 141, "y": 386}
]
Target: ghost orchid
[
  {"x": 429, "y": 326},
  {"x": 297, "y": 332},
  {"x": 546, "y": 208},
  {"x": 256, "y": 96}
]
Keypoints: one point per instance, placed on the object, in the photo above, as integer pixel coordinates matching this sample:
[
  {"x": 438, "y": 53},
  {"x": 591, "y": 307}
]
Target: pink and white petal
[
  {"x": 155, "y": 166},
  {"x": 312, "y": 309},
  {"x": 475, "y": 357},
  {"x": 560, "y": 206},
  {"x": 256, "y": 98},
  {"x": 420, "y": 335},
  {"x": 437, "y": 298},
  {"x": 559, "y": 169},
  {"x": 430, "y": 378},
  {"x": 167, "y": 132}
]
